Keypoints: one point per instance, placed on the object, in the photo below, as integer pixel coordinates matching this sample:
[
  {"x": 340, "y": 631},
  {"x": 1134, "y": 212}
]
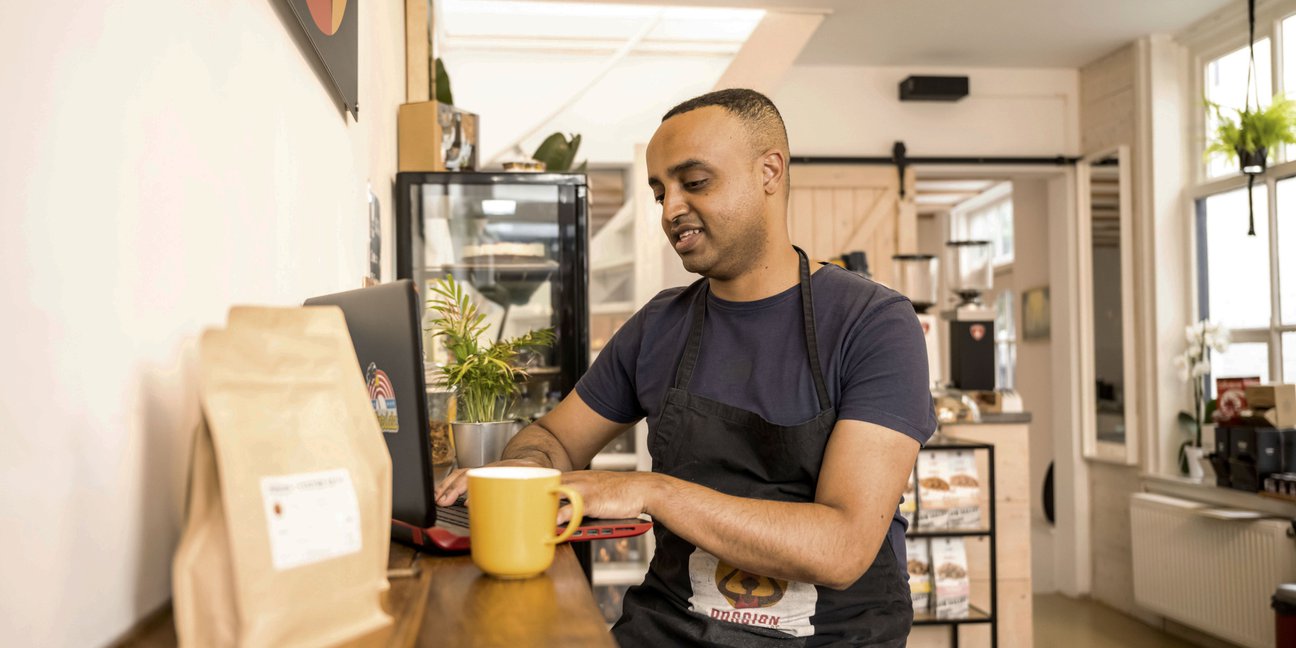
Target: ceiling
[{"x": 977, "y": 33}]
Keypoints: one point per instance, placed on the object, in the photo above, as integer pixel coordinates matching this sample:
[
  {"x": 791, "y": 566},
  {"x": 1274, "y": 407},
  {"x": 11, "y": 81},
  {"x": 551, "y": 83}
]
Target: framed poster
[
  {"x": 333, "y": 30},
  {"x": 1035, "y": 314}
]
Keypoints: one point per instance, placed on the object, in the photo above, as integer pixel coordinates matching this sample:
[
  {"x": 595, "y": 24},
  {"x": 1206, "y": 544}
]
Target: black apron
[{"x": 689, "y": 597}]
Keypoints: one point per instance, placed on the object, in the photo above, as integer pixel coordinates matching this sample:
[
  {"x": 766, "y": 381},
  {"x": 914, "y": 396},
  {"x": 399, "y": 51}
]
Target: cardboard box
[
  {"x": 433, "y": 136},
  {"x": 1272, "y": 395},
  {"x": 1271, "y": 406}
]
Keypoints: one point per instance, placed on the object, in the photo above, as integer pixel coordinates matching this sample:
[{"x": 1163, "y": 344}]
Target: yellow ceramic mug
[{"x": 511, "y": 515}]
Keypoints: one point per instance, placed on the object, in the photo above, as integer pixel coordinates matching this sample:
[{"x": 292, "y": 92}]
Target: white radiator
[{"x": 1213, "y": 574}]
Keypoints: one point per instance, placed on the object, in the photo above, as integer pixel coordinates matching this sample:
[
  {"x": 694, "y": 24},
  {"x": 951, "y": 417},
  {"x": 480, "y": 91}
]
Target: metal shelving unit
[{"x": 975, "y": 614}]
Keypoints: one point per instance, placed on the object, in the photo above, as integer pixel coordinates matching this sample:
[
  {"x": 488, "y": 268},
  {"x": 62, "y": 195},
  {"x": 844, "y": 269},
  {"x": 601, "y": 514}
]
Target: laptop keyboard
[{"x": 455, "y": 515}]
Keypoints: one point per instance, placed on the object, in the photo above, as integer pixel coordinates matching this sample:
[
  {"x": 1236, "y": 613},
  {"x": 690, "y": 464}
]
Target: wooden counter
[{"x": 448, "y": 602}]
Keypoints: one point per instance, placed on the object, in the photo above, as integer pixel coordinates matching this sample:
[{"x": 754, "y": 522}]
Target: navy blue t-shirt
[{"x": 753, "y": 357}]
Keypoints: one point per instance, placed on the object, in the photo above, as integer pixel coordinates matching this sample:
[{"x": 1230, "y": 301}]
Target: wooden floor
[{"x": 1071, "y": 623}]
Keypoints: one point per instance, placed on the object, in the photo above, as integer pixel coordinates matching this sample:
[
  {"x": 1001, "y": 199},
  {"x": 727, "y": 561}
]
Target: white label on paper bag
[{"x": 311, "y": 517}]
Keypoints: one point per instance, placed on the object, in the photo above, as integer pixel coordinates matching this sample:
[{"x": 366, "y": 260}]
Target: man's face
[{"x": 706, "y": 176}]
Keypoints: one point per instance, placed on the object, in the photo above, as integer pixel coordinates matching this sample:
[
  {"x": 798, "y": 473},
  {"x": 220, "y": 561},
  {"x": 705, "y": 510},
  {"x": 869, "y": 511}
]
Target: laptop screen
[{"x": 385, "y": 329}]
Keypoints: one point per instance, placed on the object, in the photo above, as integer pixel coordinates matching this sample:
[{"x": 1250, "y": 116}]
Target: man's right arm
[{"x": 566, "y": 438}]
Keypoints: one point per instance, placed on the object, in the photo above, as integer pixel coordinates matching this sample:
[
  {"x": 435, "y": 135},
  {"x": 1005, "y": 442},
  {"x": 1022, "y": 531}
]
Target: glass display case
[{"x": 518, "y": 241}]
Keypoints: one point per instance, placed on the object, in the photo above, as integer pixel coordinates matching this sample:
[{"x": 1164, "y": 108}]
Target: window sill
[{"x": 1209, "y": 493}]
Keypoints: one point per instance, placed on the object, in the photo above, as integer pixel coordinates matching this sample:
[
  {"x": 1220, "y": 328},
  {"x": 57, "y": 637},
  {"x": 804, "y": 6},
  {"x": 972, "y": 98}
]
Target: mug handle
[{"x": 578, "y": 511}]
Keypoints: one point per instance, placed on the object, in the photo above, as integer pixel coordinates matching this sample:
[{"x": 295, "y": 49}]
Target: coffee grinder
[
  {"x": 970, "y": 275},
  {"x": 917, "y": 278}
]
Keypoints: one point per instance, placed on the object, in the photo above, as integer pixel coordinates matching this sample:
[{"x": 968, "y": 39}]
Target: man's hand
[
  {"x": 456, "y": 483},
  {"x": 610, "y": 495}
]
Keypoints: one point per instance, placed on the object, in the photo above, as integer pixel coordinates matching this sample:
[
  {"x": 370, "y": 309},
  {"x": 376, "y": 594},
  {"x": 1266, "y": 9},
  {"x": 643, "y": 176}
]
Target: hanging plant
[
  {"x": 1254, "y": 133},
  {"x": 1249, "y": 135}
]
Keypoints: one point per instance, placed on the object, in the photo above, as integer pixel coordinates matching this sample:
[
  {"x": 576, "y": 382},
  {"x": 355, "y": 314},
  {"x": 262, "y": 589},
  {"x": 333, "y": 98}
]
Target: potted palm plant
[{"x": 484, "y": 377}]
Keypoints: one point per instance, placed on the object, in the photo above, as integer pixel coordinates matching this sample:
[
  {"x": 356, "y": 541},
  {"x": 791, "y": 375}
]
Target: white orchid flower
[{"x": 1222, "y": 341}]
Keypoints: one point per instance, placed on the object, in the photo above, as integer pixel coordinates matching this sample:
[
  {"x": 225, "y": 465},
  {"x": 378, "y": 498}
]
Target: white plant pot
[{"x": 1195, "y": 458}]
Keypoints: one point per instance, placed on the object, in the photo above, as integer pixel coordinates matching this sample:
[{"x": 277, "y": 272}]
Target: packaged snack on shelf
[
  {"x": 909, "y": 505},
  {"x": 934, "y": 495},
  {"x": 609, "y": 598},
  {"x": 949, "y": 564},
  {"x": 920, "y": 578},
  {"x": 618, "y": 550},
  {"x": 965, "y": 491}
]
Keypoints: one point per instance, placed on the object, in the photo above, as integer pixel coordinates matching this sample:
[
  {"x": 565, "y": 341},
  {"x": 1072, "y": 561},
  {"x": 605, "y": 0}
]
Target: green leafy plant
[
  {"x": 1251, "y": 130},
  {"x": 441, "y": 84},
  {"x": 558, "y": 152},
  {"x": 484, "y": 378}
]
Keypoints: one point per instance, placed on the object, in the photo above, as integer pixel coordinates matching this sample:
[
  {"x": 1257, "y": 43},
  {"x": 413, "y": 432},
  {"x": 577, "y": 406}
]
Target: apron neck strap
[
  {"x": 684, "y": 372},
  {"x": 811, "y": 339}
]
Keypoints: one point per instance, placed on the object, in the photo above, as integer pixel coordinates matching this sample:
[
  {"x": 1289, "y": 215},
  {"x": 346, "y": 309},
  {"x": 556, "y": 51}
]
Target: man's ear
[{"x": 773, "y": 171}]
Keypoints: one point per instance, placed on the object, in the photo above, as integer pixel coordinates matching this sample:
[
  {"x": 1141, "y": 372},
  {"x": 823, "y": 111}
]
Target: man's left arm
[{"x": 831, "y": 541}]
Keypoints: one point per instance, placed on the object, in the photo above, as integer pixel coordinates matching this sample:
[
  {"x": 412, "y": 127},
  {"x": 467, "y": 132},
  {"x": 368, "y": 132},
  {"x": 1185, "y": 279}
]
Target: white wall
[
  {"x": 163, "y": 160},
  {"x": 847, "y": 111},
  {"x": 856, "y": 111},
  {"x": 1034, "y": 209}
]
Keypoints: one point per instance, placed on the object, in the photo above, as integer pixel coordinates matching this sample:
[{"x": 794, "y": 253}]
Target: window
[
  {"x": 987, "y": 217},
  {"x": 1236, "y": 274},
  {"x": 1289, "y": 355},
  {"x": 1248, "y": 283},
  {"x": 1237, "y": 265},
  {"x": 1287, "y": 251},
  {"x": 1288, "y": 69},
  {"x": 1005, "y": 341}
]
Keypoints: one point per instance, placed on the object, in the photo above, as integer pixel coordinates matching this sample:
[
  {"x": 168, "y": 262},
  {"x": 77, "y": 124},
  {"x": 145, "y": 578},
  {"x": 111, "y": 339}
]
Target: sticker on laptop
[{"x": 383, "y": 398}]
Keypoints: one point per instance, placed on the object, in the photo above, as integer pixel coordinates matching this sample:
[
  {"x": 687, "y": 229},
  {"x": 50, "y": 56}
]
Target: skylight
[{"x": 495, "y": 24}]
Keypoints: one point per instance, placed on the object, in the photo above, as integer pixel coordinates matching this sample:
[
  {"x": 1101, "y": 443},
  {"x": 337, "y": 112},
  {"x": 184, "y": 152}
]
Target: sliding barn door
[{"x": 838, "y": 209}]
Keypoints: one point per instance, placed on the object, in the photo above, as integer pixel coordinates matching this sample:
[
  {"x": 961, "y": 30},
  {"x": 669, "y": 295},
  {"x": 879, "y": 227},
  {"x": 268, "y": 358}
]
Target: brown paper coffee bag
[
  {"x": 329, "y": 321},
  {"x": 290, "y": 495}
]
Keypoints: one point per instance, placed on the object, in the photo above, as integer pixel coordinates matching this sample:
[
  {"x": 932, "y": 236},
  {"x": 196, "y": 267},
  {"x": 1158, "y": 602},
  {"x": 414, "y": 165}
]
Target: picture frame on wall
[
  {"x": 1036, "y": 323},
  {"x": 332, "y": 27}
]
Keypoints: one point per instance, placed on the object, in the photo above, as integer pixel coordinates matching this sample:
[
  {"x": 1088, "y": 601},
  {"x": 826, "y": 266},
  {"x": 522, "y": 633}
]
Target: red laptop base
[{"x": 447, "y": 540}]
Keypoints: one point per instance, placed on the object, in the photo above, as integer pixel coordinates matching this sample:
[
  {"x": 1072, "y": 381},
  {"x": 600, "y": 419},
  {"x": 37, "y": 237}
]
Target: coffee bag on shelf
[
  {"x": 950, "y": 567},
  {"x": 909, "y": 503},
  {"x": 965, "y": 491},
  {"x": 920, "y": 577},
  {"x": 934, "y": 493}
]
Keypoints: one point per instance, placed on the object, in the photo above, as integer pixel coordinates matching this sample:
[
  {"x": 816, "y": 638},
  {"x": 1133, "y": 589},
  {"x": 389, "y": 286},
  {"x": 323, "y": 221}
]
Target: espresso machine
[
  {"x": 970, "y": 275},
  {"x": 918, "y": 278}
]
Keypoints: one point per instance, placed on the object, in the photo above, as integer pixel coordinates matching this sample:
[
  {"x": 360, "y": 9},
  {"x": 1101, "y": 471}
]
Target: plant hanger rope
[{"x": 1253, "y": 87}]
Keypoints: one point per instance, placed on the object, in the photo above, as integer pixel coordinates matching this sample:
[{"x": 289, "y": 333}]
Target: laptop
[{"x": 385, "y": 328}]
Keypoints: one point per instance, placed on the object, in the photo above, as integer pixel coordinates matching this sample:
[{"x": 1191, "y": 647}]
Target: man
[{"x": 785, "y": 405}]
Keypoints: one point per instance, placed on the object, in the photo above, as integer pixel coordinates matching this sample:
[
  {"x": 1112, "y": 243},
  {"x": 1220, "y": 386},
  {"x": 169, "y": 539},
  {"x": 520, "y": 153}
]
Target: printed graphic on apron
[{"x": 726, "y": 593}]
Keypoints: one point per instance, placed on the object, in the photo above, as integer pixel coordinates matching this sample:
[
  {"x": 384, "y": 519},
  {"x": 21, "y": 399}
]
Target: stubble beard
[{"x": 732, "y": 259}]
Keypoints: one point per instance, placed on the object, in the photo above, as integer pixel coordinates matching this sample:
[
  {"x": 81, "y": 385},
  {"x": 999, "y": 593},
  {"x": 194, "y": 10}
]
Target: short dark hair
[{"x": 753, "y": 108}]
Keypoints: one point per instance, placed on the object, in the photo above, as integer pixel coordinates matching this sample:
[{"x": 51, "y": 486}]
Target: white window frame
[
  {"x": 992, "y": 197},
  {"x": 1207, "y": 44}
]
